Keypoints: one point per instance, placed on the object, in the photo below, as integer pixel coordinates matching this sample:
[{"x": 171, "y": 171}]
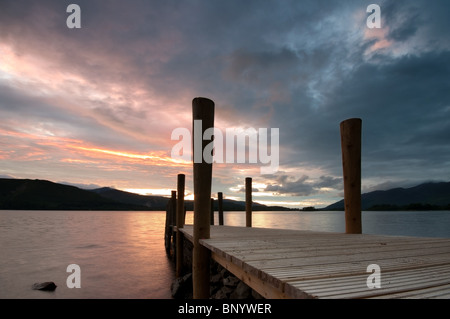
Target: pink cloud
[{"x": 380, "y": 38}]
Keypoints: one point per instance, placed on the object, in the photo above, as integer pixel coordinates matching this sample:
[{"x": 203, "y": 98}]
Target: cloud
[
  {"x": 6, "y": 176},
  {"x": 126, "y": 79},
  {"x": 420, "y": 25},
  {"x": 82, "y": 186},
  {"x": 254, "y": 190},
  {"x": 302, "y": 186}
]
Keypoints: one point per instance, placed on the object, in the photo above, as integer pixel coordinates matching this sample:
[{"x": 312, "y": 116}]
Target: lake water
[{"x": 121, "y": 254}]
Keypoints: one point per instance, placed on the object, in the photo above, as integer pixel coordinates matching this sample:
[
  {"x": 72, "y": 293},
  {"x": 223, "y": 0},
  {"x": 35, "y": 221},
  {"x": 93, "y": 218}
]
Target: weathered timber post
[
  {"x": 203, "y": 118},
  {"x": 173, "y": 206},
  {"x": 173, "y": 202},
  {"x": 181, "y": 181},
  {"x": 170, "y": 222},
  {"x": 180, "y": 224},
  {"x": 211, "y": 217},
  {"x": 220, "y": 204},
  {"x": 351, "y": 164},
  {"x": 168, "y": 229},
  {"x": 248, "y": 202}
]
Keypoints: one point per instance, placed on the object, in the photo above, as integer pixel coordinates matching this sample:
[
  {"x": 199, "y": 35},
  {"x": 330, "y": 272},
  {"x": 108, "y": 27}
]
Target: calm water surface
[{"x": 121, "y": 254}]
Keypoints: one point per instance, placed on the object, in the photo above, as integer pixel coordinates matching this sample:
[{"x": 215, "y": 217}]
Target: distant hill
[
  {"x": 160, "y": 202},
  {"x": 37, "y": 194},
  {"x": 44, "y": 195},
  {"x": 428, "y": 196},
  {"x": 149, "y": 202}
]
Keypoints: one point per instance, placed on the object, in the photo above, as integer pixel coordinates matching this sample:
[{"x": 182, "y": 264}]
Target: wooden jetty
[
  {"x": 303, "y": 264},
  {"x": 280, "y": 263}
]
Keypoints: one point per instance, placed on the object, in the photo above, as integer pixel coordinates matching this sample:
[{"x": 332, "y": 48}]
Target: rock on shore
[{"x": 46, "y": 286}]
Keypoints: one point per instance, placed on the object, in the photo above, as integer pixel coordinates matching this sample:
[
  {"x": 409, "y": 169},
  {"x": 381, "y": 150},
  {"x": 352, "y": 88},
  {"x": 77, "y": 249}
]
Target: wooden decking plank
[
  {"x": 315, "y": 247},
  {"x": 329, "y": 271},
  {"x": 355, "y": 286},
  {"x": 411, "y": 262},
  {"x": 382, "y": 293},
  {"x": 321, "y": 260},
  {"x": 299, "y": 253},
  {"x": 251, "y": 250},
  {"x": 438, "y": 292},
  {"x": 305, "y": 264},
  {"x": 397, "y": 276},
  {"x": 256, "y": 254}
]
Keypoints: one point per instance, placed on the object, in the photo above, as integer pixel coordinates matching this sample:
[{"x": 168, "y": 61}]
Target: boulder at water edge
[{"x": 46, "y": 286}]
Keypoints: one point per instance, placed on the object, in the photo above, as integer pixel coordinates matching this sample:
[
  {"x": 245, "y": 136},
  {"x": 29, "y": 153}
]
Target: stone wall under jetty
[{"x": 223, "y": 284}]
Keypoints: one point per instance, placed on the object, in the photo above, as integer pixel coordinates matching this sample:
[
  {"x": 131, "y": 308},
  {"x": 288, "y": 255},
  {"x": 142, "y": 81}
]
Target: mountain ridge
[
  {"x": 35, "y": 194},
  {"x": 425, "y": 196},
  {"x": 29, "y": 194},
  {"x": 160, "y": 202}
]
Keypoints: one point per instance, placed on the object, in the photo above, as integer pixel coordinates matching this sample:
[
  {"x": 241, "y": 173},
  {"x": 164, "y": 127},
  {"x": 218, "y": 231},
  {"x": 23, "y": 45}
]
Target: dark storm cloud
[
  {"x": 253, "y": 67},
  {"x": 403, "y": 100},
  {"x": 301, "y": 66},
  {"x": 405, "y": 110},
  {"x": 303, "y": 186},
  {"x": 424, "y": 22},
  {"x": 400, "y": 103}
]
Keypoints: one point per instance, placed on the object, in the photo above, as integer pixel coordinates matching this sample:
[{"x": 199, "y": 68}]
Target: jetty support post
[
  {"x": 248, "y": 202},
  {"x": 168, "y": 229},
  {"x": 203, "y": 110},
  {"x": 180, "y": 220},
  {"x": 170, "y": 222},
  {"x": 211, "y": 217},
  {"x": 351, "y": 164},
  {"x": 220, "y": 207}
]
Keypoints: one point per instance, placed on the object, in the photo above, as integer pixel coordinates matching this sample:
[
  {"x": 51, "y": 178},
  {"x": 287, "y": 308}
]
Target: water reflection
[{"x": 121, "y": 254}]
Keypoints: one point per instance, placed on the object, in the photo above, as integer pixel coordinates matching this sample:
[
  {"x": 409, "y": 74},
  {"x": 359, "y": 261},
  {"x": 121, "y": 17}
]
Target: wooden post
[
  {"x": 168, "y": 229},
  {"x": 220, "y": 200},
  {"x": 170, "y": 222},
  {"x": 202, "y": 109},
  {"x": 173, "y": 217},
  {"x": 173, "y": 202},
  {"x": 351, "y": 163},
  {"x": 180, "y": 224},
  {"x": 211, "y": 217},
  {"x": 181, "y": 178},
  {"x": 248, "y": 202}
]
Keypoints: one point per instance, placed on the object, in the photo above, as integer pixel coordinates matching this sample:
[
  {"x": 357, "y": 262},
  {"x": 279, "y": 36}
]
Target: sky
[{"x": 96, "y": 106}]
